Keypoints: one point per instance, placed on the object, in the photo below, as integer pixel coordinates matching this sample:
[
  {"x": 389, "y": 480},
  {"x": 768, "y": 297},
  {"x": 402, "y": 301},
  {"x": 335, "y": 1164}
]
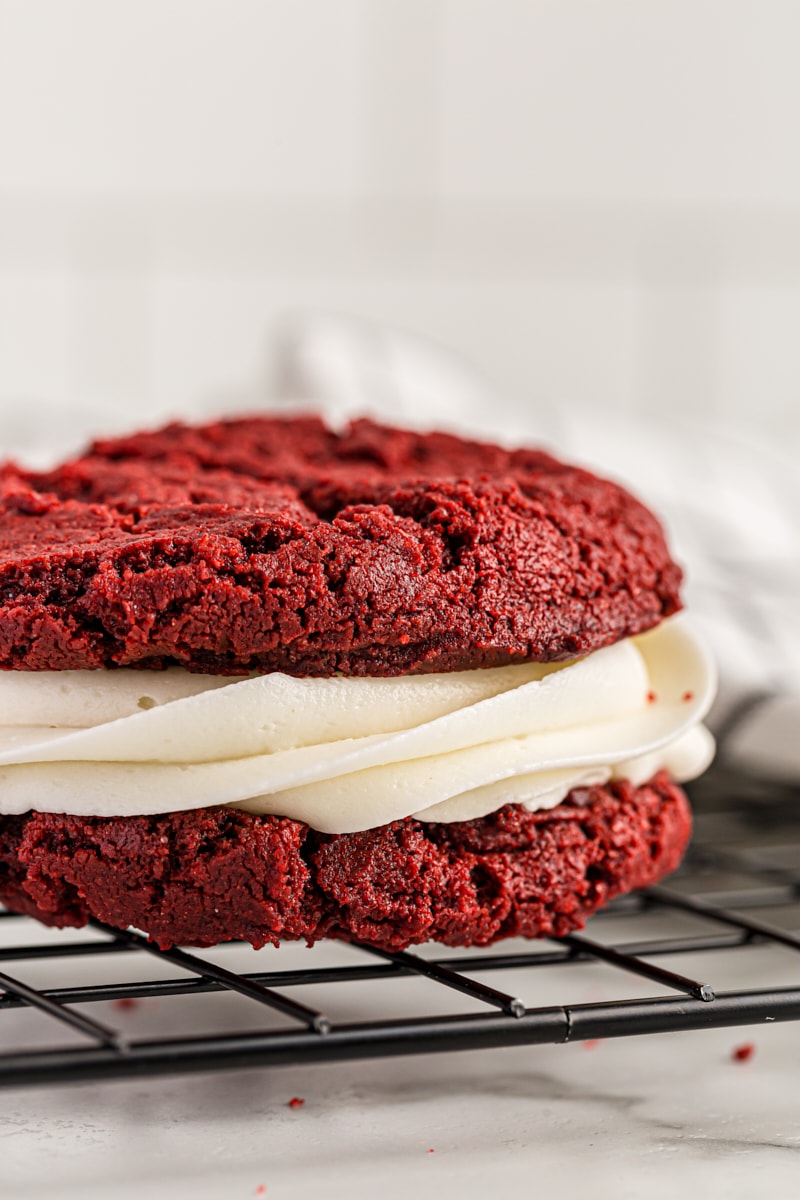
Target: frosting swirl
[{"x": 345, "y": 754}]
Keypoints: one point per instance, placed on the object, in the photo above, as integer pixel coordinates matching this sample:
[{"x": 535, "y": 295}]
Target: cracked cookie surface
[{"x": 276, "y": 544}]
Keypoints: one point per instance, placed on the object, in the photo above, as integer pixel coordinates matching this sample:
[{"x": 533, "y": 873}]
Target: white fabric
[{"x": 731, "y": 502}]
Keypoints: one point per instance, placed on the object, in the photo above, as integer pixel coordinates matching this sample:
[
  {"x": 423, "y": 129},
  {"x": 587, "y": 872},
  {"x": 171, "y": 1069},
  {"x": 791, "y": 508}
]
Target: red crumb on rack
[
  {"x": 687, "y": 696},
  {"x": 431, "y": 1151},
  {"x": 295, "y": 1102},
  {"x": 125, "y": 1002},
  {"x": 651, "y": 697},
  {"x": 261, "y": 1190},
  {"x": 592, "y": 1043},
  {"x": 743, "y": 1053}
]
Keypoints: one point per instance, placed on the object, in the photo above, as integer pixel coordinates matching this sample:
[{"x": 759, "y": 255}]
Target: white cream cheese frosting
[{"x": 346, "y": 754}]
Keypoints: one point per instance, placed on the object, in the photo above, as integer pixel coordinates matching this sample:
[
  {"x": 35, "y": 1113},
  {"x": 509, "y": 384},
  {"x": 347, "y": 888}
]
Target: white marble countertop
[{"x": 651, "y": 1115}]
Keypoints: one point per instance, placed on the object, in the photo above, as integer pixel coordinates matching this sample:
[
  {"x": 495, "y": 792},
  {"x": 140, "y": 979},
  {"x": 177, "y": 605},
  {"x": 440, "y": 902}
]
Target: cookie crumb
[
  {"x": 651, "y": 697},
  {"x": 125, "y": 1002},
  {"x": 687, "y": 697},
  {"x": 431, "y": 1151},
  {"x": 592, "y": 1043},
  {"x": 743, "y": 1053},
  {"x": 295, "y": 1102},
  {"x": 261, "y": 1190}
]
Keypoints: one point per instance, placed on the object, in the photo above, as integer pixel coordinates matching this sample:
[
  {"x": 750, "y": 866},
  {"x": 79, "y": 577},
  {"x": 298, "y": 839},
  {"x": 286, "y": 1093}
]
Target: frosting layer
[{"x": 345, "y": 754}]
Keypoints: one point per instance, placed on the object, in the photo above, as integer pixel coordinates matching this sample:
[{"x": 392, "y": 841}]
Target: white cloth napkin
[{"x": 731, "y": 503}]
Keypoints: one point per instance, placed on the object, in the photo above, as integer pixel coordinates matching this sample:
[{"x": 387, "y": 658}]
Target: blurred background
[{"x": 595, "y": 203}]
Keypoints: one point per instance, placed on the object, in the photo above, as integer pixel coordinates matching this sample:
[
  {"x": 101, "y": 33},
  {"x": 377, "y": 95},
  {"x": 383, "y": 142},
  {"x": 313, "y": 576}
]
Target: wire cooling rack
[{"x": 745, "y": 863}]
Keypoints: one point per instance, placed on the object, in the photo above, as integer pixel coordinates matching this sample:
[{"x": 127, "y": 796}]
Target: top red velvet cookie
[{"x": 277, "y": 544}]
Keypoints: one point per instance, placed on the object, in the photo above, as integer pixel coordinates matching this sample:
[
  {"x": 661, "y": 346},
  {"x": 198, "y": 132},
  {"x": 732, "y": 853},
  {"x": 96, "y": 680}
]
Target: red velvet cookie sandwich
[{"x": 265, "y": 680}]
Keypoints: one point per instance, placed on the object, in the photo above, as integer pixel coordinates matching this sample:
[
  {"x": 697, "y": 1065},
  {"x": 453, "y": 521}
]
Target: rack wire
[{"x": 745, "y": 862}]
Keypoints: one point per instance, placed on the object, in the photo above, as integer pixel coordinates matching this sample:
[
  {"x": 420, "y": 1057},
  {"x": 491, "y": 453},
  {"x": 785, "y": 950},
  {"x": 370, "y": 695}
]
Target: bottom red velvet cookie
[{"x": 210, "y": 875}]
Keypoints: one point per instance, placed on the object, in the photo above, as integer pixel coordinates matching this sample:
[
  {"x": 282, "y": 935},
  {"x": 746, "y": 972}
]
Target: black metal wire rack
[{"x": 745, "y": 863}]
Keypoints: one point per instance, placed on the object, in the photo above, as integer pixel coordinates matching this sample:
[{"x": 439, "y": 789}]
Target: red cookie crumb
[
  {"x": 687, "y": 697},
  {"x": 125, "y": 1002},
  {"x": 295, "y": 1102},
  {"x": 651, "y": 697},
  {"x": 592, "y": 1043},
  {"x": 743, "y": 1053}
]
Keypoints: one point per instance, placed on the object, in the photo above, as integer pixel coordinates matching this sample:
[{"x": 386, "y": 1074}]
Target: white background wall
[{"x": 598, "y": 201}]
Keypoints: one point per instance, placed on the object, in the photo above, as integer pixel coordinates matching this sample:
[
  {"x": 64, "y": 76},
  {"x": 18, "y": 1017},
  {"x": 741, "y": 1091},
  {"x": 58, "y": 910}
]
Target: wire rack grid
[{"x": 745, "y": 861}]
